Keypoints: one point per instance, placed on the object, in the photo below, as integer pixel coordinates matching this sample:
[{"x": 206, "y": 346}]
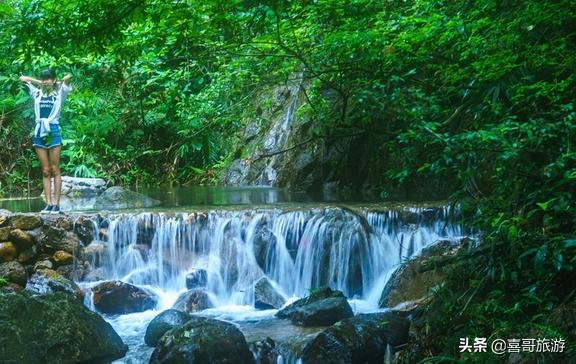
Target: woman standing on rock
[{"x": 49, "y": 96}]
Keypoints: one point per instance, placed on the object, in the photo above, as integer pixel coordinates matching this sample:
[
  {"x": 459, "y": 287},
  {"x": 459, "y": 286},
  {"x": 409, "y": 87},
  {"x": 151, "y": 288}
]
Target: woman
[{"x": 49, "y": 96}]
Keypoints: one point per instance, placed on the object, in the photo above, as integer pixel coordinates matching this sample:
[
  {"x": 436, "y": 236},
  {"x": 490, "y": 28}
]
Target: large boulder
[
  {"x": 116, "y": 297},
  {"x": 202, "y": 340},
  {"x": 324, "y": 312},
  {"x": 4, "y": 232},
  {"x": 264, "y": 242},
  {"x": 52, "y": 238},
  {"x": 14, "y": 272},
  {"x": 266, "y": 296},
  {"x": 121, "y": 198},
  {"x": 165, "y": 321},
  {"x": 416, "y": 279},
  {"x": 54, "y": 328},
  {"x": 46, "y": 281},
  {"x": 192, "y": 301},
  {"x": 362, "y": 339}
]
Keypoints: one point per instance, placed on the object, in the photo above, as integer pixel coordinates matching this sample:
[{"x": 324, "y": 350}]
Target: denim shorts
[{"x": 54, "y": 139}]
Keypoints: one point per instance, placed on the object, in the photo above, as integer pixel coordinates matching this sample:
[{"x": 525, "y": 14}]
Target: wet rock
[
  {"x": 264, "y": 241},
  {"x": 27, "y": 255},
  {"x": 58, "y": 239},
  {"x": 11, "y": 288},
  {"x": 121, "y": 198},
  {"x": 116, "y": 297},
  {"x": 202, "y": 341},
  {"x": 362, "y": 339},
  {"x": 25, "y": 221},
  {"x": 196, "y": 278},
  {"x": 43, "y": 264},
  {"x": 61, "y": 257},
  {"x": 323, "y": 312},
  {"x": 192, "y": 301},
  {"x": 63, "y": 222},
  {"x": 69, "y": 332},
  {"x": 46, "y": 281},
  {"x": 14, "y": 272},
  {"x": 265, "y": 351},
  {"x": 84, "y": 229},
  {"x": 72, "y": 272},
  {"x": 266, "y": 296},
  {"x": 316, "y": 295},
  {"x": 162, "y": 323},
  {"x": 4, "y": 233},
  {"x": 7, "y": 252},
  {"x": 408, "y": 283},
  {"x": 21, "y": 239}
]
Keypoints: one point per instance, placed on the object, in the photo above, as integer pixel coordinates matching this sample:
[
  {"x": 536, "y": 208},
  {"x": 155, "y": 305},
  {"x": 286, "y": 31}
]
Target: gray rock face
[
  {"x": 162, "y": 323},
  {"x": 117, "y": 297},
  {"x": 196, "y": 278},
  {"x": 69, "y": 332},
  {"x": 266, "y": 296},
  {"x": 362, "y": 339},
  {"x": 192, "y": 301},
  {"x": 121, "y": 198},
  {"x": 202, "y": 341}
]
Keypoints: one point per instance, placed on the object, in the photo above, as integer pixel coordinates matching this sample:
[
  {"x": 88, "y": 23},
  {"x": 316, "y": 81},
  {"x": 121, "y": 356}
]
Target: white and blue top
[{"x": 47, "y": 107}]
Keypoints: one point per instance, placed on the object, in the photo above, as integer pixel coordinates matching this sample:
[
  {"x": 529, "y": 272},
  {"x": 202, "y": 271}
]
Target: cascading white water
[
  {"x": 354, "y": 251},
  {"x": 298, "y": 250}
]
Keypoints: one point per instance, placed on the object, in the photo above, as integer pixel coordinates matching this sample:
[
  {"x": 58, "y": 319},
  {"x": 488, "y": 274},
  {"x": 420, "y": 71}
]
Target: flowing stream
[{"x": 354, "y": 250}]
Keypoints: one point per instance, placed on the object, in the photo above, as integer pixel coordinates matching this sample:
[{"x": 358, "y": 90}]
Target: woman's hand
[
  {"x": 31, "y": 80},
  {"x": 66, "y": 79}
]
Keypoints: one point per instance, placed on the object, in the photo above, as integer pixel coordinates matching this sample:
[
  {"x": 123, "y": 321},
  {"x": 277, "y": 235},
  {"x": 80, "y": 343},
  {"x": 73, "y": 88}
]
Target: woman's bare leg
[
  {"x": 54, "y": 157},
  {"x": 45, "y": 167}
]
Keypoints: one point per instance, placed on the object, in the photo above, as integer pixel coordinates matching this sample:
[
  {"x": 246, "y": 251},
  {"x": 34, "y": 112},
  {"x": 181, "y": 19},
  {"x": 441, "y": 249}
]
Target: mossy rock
[{"x": 54, "y": 328}]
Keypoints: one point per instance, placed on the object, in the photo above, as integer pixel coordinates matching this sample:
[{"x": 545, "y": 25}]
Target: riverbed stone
[
  {"x": 46, "y": 281},
  {"x": 264, "y": 241},
  {"x": 165, "y": 321},
  {"x": 196, "y": 278},
  {"x": 202, "y": 340},
  {"x": 323, "y": 312},
  {"x": 192, "y": 301},
  {"x": 43, "y": 264},
  {"x": 69, "y": 332},
  {"x": 266, "y": 296},
  {"x": 59, "y": 239},
  {"x": 25, "y": 221},
  {"x": 316, "y": 295},
  {"x": 22, "y": 239},
  {"x": 14, "y": 272},
  {"x": 8, "y": 252},
  {"x": 122, "y": 198},
  {"x": 117, "y": 297},
  {"x": 361, "y": 339},
  {"x": 61, "y": 257}
]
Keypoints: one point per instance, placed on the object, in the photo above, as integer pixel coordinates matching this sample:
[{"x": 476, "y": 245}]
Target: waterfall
[{"x": 354, "y": 251}]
